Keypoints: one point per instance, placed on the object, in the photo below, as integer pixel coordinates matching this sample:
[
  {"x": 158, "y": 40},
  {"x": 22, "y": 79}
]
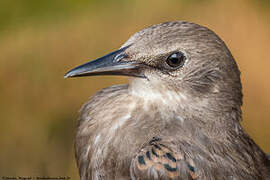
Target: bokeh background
[{"x": 41, "y": 40}]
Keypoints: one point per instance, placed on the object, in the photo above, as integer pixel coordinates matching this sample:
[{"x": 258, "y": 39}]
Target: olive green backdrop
[{"x": 41, "y": 40}]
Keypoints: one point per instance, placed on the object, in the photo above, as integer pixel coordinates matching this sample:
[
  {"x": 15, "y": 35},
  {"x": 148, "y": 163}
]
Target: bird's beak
[{"x": 115, "y": 63}]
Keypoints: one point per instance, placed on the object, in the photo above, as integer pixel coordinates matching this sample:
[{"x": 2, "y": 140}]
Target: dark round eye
[{"x": 176, "y": 60}]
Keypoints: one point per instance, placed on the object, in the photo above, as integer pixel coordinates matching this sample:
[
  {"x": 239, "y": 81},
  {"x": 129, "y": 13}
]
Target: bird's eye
[{"x": 176, "y": 60}]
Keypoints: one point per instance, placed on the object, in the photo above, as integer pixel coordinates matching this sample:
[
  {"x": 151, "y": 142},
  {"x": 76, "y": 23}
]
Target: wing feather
[{"x": 161, "y": 160}]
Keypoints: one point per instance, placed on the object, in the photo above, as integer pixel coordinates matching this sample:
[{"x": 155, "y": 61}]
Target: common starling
[{"x": 177, "y": 118}]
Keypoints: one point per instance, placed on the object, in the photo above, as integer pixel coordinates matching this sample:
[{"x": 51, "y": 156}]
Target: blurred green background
[{"x": 41, "y": 40}]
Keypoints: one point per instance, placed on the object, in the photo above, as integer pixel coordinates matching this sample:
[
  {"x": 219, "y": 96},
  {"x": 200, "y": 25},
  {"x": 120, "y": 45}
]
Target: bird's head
[{"x": 180, "y": 59}]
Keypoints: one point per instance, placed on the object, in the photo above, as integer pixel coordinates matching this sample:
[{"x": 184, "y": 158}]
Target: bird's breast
[{"x": 114, "y": 125}]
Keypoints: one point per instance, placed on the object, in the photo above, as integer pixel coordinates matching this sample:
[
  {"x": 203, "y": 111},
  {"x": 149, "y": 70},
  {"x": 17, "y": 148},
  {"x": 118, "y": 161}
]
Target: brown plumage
[{"x": 179, "y": 116}]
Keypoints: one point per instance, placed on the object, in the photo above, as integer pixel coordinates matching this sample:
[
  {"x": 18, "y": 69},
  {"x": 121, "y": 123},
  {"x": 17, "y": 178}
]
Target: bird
[{"x": 179, "y": 117}]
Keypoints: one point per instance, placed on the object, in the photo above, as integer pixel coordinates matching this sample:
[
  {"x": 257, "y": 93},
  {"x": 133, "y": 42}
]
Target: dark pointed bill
[{"x": 110, "y": 64}]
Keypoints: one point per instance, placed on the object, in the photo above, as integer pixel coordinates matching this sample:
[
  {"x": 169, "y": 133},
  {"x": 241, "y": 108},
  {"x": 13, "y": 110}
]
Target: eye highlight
[{"x": 176, "y": 60}]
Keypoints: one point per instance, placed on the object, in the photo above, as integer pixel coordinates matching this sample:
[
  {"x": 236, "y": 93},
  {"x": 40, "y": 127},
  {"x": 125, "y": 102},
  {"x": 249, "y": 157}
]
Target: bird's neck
[{"x": 204, "y": 112}]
